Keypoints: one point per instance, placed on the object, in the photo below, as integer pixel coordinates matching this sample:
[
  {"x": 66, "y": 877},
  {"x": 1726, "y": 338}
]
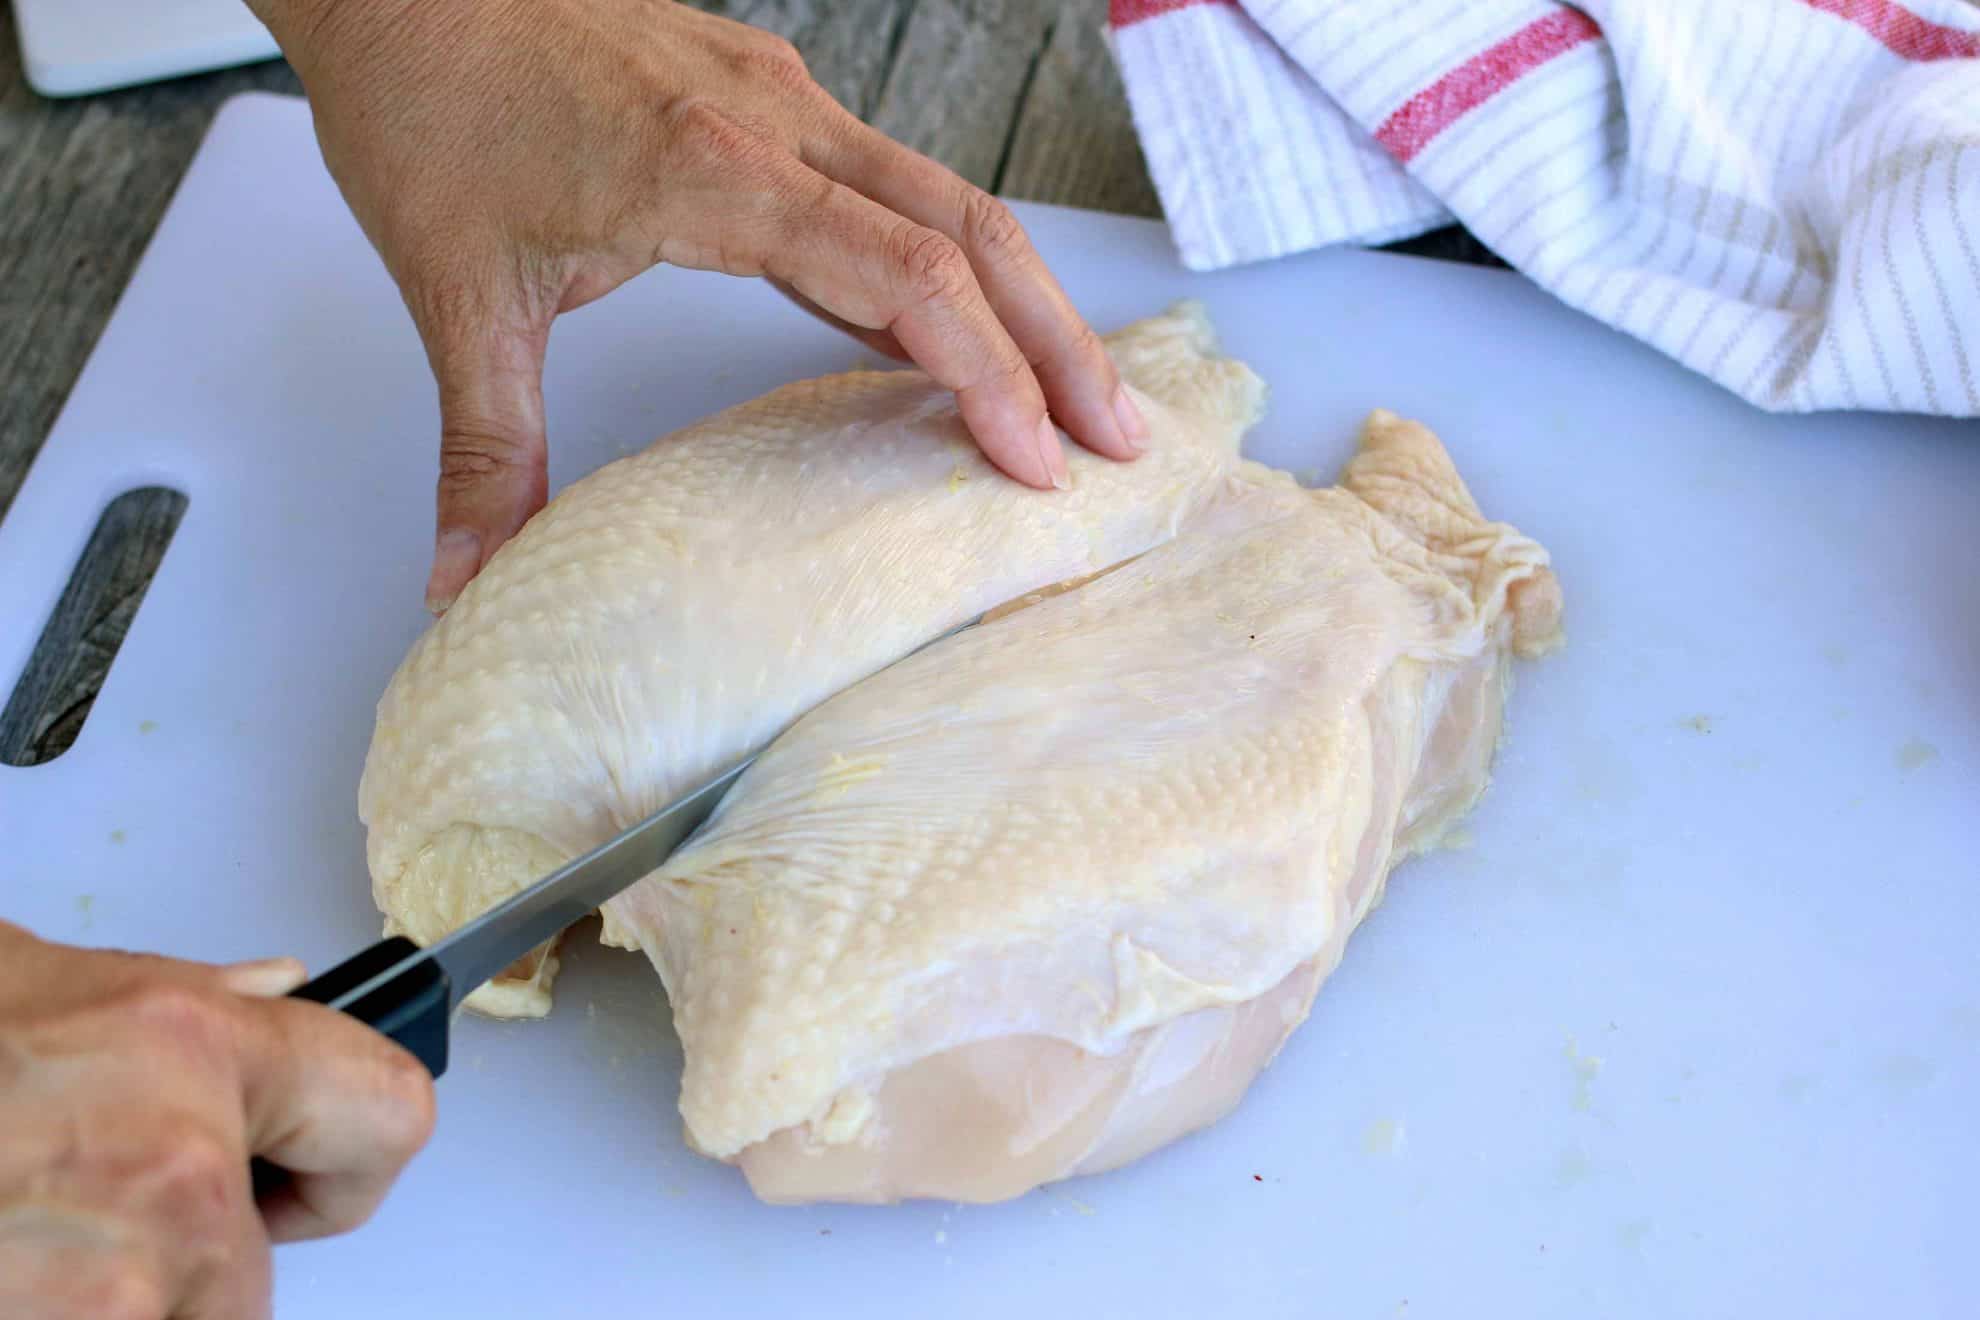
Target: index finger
[
  {"x": 873, "y": 268},
  {"x": 335, "y": 1103},
  {"x": 1082, "y": 386}
]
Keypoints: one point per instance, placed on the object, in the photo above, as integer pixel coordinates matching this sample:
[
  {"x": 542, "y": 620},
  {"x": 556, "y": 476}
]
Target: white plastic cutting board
[
  {"x": 70, "y": 47},
  {"x": 1691, "y": 1029}
]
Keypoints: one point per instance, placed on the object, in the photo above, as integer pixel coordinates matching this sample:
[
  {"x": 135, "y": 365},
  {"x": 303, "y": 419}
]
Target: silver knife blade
[{"x": 473, "y": 953}]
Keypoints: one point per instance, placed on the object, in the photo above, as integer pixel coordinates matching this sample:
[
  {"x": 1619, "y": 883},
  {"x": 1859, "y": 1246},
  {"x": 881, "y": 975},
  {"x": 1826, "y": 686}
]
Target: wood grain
[
  {"x": 1018, "y": 96},
  {"x": 959, "y": 79},
  {"x": 848, "y": 45},
  {"x": 55, "y": 693},
  {"x": 1073, "y": 142}
]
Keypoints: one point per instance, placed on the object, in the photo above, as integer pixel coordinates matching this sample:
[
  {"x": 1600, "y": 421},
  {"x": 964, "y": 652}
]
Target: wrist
[
  {"x": 298, "y": 26},
  {"x": 280, "y": 15}
]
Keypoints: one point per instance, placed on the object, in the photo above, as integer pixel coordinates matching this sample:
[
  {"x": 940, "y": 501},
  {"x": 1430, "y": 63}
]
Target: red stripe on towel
[{"x": 1421, "y": 118}]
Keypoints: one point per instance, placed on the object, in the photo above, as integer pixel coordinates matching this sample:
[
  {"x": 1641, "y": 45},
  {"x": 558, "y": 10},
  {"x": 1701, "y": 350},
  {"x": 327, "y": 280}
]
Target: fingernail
[
  {"x": 1134, "y": 427},
  {"x": 456, "y": 556},
  {"x": 263, "y": 978},
  {"x": 1052, "y": 454}
]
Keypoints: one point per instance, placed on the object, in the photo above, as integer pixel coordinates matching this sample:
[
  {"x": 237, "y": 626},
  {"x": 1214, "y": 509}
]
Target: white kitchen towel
[{"x": 1781, "y": 194}]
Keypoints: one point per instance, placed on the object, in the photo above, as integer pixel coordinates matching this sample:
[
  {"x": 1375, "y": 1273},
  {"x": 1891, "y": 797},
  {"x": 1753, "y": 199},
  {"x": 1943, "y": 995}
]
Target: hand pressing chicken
[
  {"x": 513, "y": 160},
  {"x": 133, "y": 1089}
]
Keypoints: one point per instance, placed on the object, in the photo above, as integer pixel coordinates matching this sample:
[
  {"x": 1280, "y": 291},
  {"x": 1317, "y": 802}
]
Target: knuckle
[
  {"x": 470, "y": 457},
  {"x": 199, "y": 1177},
  {"x": 174, "y": 1013},
  {"x": 471, "y": 453},
  {"x": 128, "y": 1289},
  {"x": 1012, "y": 372},
  {"x": 1087, "y": 347},
  {"x": 704, "y": 141},
  {"x": 774, "y": 58},
  {"x": 934, "y": 267},
  {"x": 707, "y": 132},
  {"x": 989, "y": 226},
  {"x": 696, "y": 119}
]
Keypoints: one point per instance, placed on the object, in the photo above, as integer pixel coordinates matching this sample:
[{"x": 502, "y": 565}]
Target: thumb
[{"x": 488, "y": 364}]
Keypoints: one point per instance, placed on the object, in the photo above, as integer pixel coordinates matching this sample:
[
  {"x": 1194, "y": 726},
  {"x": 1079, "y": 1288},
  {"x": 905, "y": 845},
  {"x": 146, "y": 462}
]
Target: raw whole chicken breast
[
  {"x": 675, "y": 609},
  {"x": 1035, "y": 901},
  {"x": 1050, "y": 894}
]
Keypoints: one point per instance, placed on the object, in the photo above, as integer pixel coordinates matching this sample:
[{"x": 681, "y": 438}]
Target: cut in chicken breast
[
  {"x": 1051, "y": 894},
  {"x": 675, "y": 609},
  {"x": 1041, "y": 898}
]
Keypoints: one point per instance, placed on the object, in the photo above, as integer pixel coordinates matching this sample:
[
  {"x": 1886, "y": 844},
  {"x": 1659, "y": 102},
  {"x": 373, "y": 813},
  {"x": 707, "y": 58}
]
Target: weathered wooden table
[{"x": 1018, "y": 96}]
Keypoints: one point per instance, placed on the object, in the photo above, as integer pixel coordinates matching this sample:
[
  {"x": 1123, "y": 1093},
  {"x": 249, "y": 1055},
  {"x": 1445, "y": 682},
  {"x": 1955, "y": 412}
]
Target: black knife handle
[{"x": 411, "y": 1008}]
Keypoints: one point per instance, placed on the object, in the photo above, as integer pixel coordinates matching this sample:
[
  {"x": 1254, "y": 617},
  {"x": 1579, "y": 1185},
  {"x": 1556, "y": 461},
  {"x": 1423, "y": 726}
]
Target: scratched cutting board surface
[{"x": 1691, "y": 1027}]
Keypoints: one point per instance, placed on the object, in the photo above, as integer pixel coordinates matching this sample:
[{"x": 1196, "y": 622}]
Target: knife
[{"x": 410, "y": 993}]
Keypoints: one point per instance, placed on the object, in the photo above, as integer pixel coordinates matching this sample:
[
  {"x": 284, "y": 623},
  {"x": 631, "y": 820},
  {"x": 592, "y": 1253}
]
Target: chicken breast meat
[
  {"x": 675, "y": 609},
  {"x": 1039, "y": 899}
]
